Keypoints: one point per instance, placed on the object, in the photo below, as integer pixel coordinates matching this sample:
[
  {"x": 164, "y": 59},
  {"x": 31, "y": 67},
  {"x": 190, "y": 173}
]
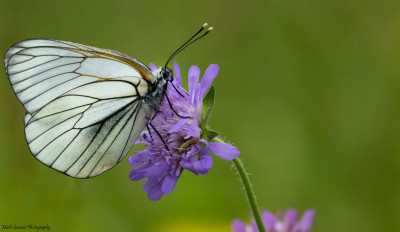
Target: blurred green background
[{"x": 309, "y": 91}]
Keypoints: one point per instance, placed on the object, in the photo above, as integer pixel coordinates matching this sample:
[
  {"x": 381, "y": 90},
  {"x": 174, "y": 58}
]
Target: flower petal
[
  {"x": 238, "y": 226},
  {"x": 268, "y": 219},
  {"x": 178, "y": 126},
  {"x": 138, "y": 158},
  {"x": 155, "y": 193},
  {"x": 290, "y": 219},
  {"x": 150, "y": 183},
  {"x": 193, "y": 131},
  {"x": 157, "y": 169},
  {"x": 188, "y": 163},
  {"x": 199, "y": 165},
  {"x": 177, "y": 80},
  {"x": 194, "y": 149},
  {"x": 253, "y": 227},
  {"x": 193, "y": 76},
  {"x": 306, "y": 221},
  {"x": 135, "y": 175},
  {"x": 169, "y": 183},
  {"x": 138, "y": 172},
  {"x": 223, "y": 150},
  {"x": 209, "y": 75},
  {"x": 206, "y": 160},
  {"x": 188, "y": 166},
  {"x": 199, "y": 111},
  {"x": 153, "y": 67}
]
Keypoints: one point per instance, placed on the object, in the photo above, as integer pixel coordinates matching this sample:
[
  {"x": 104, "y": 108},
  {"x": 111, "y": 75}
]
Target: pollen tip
[
  {"x": 210, "y": 29},
  {"x": 205, "y": 25}
]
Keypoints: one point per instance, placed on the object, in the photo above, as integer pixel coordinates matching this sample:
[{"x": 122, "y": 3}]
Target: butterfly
[{"x": 86, "y": 106}]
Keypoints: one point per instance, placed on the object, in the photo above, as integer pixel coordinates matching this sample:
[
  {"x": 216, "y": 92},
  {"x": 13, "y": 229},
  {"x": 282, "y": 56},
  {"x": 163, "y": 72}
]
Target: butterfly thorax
[{"x": 157, "y": 89}]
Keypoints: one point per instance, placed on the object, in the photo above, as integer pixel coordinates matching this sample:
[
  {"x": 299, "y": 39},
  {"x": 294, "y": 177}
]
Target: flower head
[
  {"x": 282, "y": 222},
  {"x": 177, "y": 142}
]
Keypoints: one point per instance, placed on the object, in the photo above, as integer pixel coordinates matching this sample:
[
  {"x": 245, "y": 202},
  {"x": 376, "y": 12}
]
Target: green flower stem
[{"x": 251, "y": 197}]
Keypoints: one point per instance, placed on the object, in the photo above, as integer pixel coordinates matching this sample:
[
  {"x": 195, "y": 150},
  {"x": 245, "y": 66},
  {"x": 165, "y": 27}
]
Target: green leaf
[
  {"x": 208, "y": 104},
  {"x": 208, "y": 134}
]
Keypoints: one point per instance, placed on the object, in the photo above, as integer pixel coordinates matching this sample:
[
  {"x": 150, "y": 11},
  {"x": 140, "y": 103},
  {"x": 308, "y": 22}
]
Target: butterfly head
[
  {"x": 166, "y": 74},
  {"x": 158, "y": 87}
]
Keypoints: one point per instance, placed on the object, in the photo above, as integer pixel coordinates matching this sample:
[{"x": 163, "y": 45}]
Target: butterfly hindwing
[{"x": 68, "y": 141}]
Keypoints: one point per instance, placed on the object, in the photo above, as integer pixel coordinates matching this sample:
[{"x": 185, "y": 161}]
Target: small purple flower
[
  {"x": 186, "y": 145},
  {"x": 283, "y": 222}
]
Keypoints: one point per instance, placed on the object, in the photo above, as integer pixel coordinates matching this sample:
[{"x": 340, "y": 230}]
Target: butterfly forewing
[{"x": 84, "y": 103}]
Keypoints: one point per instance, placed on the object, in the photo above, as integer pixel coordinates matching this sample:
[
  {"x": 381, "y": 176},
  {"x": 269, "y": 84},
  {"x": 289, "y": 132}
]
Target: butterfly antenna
[
  {"x": 189, "y": 41},
  {"x": 198, "y": 32}
]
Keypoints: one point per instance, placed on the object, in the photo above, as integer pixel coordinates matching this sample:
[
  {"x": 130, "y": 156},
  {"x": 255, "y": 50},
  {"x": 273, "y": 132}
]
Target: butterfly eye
[{"x": 166, "y": 74}]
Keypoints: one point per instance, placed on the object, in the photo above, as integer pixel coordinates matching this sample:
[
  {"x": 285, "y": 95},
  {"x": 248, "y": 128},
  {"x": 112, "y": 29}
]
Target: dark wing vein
[
  {"x": 58, "y": 156},
  {"x": 88, "y": 145},
  {"x": 47, "y": 90},
  {"x": 52, "y": 128},
  {"x": 105, "y": 137},
  {"x": 35, "y": 66},
  {"x": 56, "y": 136},
  {"x": 63, "y": 111},
  {"x": 133, "y": 112},
  {"x": 130, "y": 133}
]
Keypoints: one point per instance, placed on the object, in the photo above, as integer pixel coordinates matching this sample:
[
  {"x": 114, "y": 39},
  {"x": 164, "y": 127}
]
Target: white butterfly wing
[
  {"x": 84, "y": 104},
  {"x": 41, "y": 70}
]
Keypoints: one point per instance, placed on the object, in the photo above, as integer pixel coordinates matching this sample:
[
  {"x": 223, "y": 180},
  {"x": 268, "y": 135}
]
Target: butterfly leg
[
  {"x": 148, "y": 129},
  {"x": 178, "y": 90},
  {"x": 172, "y": 108},
  {"x": 158, "y": 133}
]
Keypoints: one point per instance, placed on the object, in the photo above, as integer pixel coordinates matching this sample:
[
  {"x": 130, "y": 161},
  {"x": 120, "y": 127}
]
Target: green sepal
[
  {"x": 208, "y": 134},
  {"x": 208, "y": 104}
]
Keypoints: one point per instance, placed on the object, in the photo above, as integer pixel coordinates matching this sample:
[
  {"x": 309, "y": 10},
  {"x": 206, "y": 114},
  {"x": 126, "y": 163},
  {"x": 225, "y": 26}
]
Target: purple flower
[
  {"x": 283, "y": 222},
  {"x": 187, "y": 145}
]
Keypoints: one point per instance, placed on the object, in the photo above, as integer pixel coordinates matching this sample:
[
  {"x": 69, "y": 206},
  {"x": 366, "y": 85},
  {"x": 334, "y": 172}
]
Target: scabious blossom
[
  {"x": 282, "y": 222},
  {"x": 178, "y": 142}
]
